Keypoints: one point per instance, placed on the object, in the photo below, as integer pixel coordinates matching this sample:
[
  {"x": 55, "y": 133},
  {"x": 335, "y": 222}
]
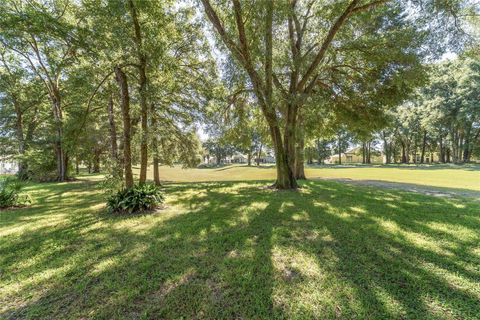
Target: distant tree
[{"x": 341, "y": 142}]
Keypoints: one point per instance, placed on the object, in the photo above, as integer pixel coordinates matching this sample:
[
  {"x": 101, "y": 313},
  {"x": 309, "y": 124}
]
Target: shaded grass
[
  {"x": 236, "y": 250},
  {"x": 465, "y": 177}
]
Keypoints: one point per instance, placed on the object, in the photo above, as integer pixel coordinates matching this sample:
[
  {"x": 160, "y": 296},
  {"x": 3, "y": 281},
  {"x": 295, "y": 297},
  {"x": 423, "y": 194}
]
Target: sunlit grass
[
  {"x": 445, "y": 176},
  {"x": 223, "y": 250}
]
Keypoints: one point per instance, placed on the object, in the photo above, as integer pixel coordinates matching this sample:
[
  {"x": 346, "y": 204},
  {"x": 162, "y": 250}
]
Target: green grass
[
  {"x": 226, "y": 250},
  {"x": 456, "y": 177}
]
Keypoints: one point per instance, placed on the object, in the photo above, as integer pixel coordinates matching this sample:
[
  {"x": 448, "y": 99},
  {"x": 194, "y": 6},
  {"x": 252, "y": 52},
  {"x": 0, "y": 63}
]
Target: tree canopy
[{"x": 110, "y": 84}]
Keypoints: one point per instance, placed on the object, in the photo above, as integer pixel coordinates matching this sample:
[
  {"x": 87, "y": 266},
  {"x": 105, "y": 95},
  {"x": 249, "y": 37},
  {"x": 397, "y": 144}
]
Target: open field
[
  {"x": 224, "y": 250},
  {"x": 453, "y": 177}
]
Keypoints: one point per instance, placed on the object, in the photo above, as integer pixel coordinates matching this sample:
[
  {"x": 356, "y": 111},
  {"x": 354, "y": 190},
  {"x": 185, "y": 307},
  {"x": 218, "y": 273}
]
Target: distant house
[
  {"x": 239, "y": 158},
  {"x": 355, "y": 156},
  {"x": 8, "y": 165},
  {"x": 266, "y": 158}
]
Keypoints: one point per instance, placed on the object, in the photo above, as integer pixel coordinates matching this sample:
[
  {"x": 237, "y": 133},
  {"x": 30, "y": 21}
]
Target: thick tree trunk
[
  {"x": 285, "y": 176},
  {"x": 127, "y": 153},
  {"x": 300, "y": 159},
  {"x": 249, "y": 157}
]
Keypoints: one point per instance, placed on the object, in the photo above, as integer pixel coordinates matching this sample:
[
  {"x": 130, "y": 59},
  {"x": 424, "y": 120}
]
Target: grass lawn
[
  {"x": 446, "y": 176},
  {"x": 235, "y": 250}
]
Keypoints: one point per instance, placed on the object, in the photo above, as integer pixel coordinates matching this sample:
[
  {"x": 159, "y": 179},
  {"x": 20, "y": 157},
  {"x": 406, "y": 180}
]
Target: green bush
[
  {"x": 136, "y": 199},
  {"x": 10, "y": 189}
]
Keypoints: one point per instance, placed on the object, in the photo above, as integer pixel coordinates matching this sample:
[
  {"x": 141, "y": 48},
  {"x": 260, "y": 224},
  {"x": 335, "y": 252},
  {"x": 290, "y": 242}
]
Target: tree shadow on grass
[
  {"x": 410, "y": 187},
  {"x": 235, "y": 250}
]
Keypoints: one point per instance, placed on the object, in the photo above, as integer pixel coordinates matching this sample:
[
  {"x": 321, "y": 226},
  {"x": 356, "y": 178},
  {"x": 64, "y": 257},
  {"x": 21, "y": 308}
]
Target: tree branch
[{"x": 326, "y": 44}]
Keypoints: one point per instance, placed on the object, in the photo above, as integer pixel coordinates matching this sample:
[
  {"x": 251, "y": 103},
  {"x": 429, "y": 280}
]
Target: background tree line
[{"x": 128, "y": 82}]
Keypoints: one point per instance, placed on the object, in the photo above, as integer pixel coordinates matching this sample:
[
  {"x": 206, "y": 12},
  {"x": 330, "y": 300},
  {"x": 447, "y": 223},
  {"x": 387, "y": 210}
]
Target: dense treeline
[{"x": 119, "y": 83}]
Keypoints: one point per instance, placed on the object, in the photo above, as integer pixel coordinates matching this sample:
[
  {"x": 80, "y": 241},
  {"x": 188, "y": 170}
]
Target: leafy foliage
[
  {"x": 10, "y": 193},
  {"x": 139, "y": 198}
]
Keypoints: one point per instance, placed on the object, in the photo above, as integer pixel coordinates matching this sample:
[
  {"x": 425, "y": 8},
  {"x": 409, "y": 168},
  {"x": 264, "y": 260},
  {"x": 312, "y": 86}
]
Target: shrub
[
  {"x": 10, "y": 189},
  {"x": 136, "y": 199}
]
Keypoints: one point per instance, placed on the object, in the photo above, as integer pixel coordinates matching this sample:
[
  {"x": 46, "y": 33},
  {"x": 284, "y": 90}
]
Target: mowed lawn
[
  {"x": 236, "y": 250},
  {"x": 443, "y": 176}
]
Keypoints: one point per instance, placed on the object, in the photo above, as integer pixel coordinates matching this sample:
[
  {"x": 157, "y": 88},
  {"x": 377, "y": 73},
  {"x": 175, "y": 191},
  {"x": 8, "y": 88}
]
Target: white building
[{"x": 8, "y": 165}]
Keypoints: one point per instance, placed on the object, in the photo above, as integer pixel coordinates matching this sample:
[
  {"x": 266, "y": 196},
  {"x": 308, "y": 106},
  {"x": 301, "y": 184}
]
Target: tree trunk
[
  {"x": 368, "y": 145},
  {"x": 127, "y": 153},
  {"x": 156, "y": 160},
  {"x": 156, "y": 170},
  {"x": 424, "y": 144},
  {"x": 300, "y": 149},
  {"x": 59, "y": 149},
  {"x": 300, "y": 159},
  {"x": 364, "y": 156},
  {"x": 442, "y": 150},
  {"x": 96, "y": 161},
  {"x": 249, "y": 156},
  {"x": 386, "y": 149},
  {"x": 22, "y": 165},
  {"x": 142, "y": 89},
  {"x": 415, "y": 147},
  {"x": 112, "y": 131},
  {"x": 285, "y": 177},
  {"x": 259, "y": 154},
  {"x": 339, "y": 151},
  {"x": 471, "y": 143},
  {"x": 404, "y": 156},
  {"x": 77, "y": 165}
]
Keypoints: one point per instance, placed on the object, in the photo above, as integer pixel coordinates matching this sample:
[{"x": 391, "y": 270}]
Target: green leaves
[
  {"x": 137, "y": 199},
  {"x": 10, "y": 193}
]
